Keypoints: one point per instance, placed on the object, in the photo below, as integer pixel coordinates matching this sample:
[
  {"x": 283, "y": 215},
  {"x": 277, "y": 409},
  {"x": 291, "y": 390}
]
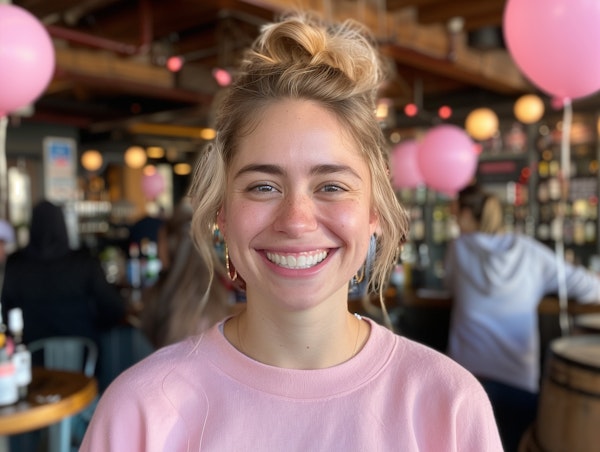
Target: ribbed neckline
[{"x": 302, "y": 384}]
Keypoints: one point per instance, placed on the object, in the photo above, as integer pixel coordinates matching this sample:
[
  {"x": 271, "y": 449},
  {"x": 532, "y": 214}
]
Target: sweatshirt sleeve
[
  {"x": 582, "y": 284},
  {"x": 475, "y": 424}
]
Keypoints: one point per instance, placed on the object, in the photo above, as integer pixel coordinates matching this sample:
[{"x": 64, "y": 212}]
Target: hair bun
[{"x": 305, "y": 39}]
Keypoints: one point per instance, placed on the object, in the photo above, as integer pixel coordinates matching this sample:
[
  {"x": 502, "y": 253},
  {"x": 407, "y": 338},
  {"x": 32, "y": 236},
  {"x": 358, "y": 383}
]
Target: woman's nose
[{"x": 296, "y": 215}]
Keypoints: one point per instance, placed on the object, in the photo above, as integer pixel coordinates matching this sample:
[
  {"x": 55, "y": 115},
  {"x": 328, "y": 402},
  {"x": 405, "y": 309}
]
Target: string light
[
  {"x": 91, "y": 160},
  {"x": 529, "y": 109},
  {"x": 482, "y": 123},
  {"x": 411, "y": 110},
  {"x": 135, "y": 157}
]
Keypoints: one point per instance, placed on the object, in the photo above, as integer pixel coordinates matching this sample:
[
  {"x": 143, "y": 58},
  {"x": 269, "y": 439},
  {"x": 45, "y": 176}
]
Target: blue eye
[
  {"x": 262, "y": 188},
  {"x": 331, "y": 188}
]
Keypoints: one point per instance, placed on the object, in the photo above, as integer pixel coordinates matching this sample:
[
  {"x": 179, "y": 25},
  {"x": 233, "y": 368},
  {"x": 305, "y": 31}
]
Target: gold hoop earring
[
  {"x": 360, "y": 275},
  {"x": 229, "y": 266}
]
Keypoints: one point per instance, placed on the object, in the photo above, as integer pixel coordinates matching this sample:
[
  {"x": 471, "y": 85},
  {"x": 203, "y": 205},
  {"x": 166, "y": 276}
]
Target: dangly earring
[
  {"x": 229, "y": 266},
  {"x": 366, "y": 266},
  {"x": 360, "y": 275}
]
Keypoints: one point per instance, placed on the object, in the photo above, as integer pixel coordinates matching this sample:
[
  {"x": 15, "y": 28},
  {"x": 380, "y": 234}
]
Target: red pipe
[{"x": 108, "y": 44}]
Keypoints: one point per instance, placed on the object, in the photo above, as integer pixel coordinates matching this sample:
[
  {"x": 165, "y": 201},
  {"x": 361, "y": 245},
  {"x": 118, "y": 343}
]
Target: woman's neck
[{"x": 298, "y": 340}]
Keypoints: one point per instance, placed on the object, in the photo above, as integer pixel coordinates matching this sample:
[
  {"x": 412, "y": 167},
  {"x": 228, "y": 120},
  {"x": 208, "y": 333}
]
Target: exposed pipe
[{"x": 122, "y": 48}]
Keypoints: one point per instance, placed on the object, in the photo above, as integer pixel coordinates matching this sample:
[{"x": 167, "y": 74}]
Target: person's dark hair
[
  {"x": 48, "y": 235},
  {"x": 486, "y": 208}
]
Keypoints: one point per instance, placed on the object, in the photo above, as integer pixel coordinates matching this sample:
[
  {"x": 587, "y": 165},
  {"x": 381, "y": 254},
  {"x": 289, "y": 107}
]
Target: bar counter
[
  {"x": 440, "y": 299},
  {"x": 424, "y": 315}
]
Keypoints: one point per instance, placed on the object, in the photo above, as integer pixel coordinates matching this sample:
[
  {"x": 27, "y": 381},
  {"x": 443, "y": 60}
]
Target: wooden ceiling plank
[
  {"x": 393, "y": 5},
  {"x": 467, "y": 9},
  {"x": 507, "y": 82}
]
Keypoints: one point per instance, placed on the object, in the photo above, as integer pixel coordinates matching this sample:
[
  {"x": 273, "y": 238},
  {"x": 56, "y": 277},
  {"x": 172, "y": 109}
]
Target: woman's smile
[{"x": 297, "y": 260}]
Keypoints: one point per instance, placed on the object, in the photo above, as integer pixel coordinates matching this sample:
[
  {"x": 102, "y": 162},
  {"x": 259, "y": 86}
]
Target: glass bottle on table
[
  {"x": 21, "y": 356},
  {"x": 8, "y": 386}
]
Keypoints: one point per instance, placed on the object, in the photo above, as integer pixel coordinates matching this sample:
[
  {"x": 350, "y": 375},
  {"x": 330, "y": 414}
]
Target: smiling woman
[{"x": 297, "y": 181}]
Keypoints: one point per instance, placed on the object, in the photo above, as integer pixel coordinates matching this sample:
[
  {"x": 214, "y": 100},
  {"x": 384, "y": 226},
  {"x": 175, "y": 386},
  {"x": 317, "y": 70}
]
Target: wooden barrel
[
  {"x": 568, "y": 417},
  {"x": 528, "y": 442},
  {"x": 587, "y": 323}
]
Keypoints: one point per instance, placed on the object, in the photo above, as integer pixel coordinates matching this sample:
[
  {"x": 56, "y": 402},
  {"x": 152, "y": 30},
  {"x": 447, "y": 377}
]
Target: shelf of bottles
[
  {"x": 578, "y": 227},
  {"x": 431, "y": 227}
]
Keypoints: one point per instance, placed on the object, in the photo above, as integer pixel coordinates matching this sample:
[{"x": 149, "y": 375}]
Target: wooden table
[{"x": 53, "y": 396}]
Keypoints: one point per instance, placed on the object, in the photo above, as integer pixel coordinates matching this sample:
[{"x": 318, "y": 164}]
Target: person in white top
[{"x": 497, "y": 280}]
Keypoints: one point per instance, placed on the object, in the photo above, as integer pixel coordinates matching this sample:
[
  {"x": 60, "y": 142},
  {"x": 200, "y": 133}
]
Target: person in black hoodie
[{"x": 62, "y": 292}]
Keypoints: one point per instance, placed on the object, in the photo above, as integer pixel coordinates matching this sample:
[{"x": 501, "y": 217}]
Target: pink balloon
[
  {"x": 26, "y": 58},
  {"x": 555, "y": 44},
  {"x": 447, "y": 158},
  {"x": 152, "y": 185},
  {"x": 403, "y": 162}
]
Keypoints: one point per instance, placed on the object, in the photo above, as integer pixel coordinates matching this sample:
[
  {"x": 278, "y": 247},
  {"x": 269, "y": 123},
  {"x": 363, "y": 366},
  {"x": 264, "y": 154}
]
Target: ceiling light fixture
[
  {"x": 482, "y": 123},
  {"x": 529, "y": 108},
  {"x": 91, "y": 160},
  {"x": 155, "y": 152},
  {"x": 135, "y": 157}
]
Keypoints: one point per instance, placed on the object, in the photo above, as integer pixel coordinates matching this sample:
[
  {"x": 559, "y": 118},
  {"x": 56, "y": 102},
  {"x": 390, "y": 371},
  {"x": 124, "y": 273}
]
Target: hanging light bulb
[
  {"x": 182, "y": 169},
  {"x": 155, "y": 152},
  {"x": 529, "y": 109},
  {"x": 135, "y": 157},
  {"x": 91, "y": 160},
  {"x": 482, "y": 123}
]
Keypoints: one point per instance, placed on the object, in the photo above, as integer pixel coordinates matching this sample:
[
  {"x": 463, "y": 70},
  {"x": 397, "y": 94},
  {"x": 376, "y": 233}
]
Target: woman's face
[{"x": 297, "y": 216}]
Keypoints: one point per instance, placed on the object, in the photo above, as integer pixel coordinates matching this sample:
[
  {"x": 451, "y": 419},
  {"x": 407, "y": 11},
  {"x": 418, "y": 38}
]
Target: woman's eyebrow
[
  {"x": 279, "y": 171},
  {"x": 331, "y": 169},
  {"x": 261, "y": 168}
]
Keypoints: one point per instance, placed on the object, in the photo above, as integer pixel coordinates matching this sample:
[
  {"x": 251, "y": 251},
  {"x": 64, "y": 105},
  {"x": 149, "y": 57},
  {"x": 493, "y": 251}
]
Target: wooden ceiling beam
[{"x": 466, "y": 9}]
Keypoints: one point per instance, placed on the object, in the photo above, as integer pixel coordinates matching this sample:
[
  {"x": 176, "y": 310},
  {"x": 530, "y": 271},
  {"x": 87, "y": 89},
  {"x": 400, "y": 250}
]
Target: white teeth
[{"x": 301, "y": 261}]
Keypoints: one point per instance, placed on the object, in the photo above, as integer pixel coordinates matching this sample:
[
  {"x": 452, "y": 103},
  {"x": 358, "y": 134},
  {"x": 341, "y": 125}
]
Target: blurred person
[
  {"x": 147, "y": 227},
  {"x": 298, "y": 182},
  {"x": 496, "y": 280},
  {"x": 7, "y": 245},
  {"x": 174, "y": 307},
  {"x": 62, "y": 292}
]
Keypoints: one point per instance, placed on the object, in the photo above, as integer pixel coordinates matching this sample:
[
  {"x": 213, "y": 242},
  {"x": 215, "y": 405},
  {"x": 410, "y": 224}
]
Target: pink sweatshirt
[{"x": 204, "y": 395}]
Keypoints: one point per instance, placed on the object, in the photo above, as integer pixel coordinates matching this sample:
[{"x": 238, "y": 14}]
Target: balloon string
[
  {"x": 565, "y": 164},
  {"x": 3, "y": 172}
]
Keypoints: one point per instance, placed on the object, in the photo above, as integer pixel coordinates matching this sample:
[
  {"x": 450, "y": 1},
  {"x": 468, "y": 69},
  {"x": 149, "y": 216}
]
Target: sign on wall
[{"x": 60, "y": 170}]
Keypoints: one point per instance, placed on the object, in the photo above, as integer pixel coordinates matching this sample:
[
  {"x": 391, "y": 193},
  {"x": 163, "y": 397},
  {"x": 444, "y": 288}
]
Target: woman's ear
[{"x": 375, "y": 226}]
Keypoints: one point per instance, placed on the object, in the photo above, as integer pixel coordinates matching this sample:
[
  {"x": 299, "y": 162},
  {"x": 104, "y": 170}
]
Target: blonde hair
[{"x": 335, "y": 65}]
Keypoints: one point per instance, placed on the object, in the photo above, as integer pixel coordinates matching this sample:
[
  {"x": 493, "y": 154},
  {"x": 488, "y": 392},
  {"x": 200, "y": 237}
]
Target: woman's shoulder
[
  {"x": 428, "y": 369},
  {"x": 149, "y": 374}
]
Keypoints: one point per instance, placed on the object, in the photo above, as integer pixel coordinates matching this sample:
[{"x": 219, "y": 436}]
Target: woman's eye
[
  {"x": 261, "y": 188},
  {"x": 331, "y": 188}
]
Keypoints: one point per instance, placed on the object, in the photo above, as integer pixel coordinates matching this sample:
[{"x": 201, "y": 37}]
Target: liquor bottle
[
  {"x": 8, "y": 386},
  {"x": 134, "y": 276},
  {"x": 21, "y": 357},
  {"x": 153, "y": 264},
  {"x": 134, "y": 268}
]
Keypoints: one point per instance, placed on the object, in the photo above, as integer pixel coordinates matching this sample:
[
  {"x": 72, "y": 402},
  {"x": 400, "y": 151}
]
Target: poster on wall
[{"x": 60, "y": 171}]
